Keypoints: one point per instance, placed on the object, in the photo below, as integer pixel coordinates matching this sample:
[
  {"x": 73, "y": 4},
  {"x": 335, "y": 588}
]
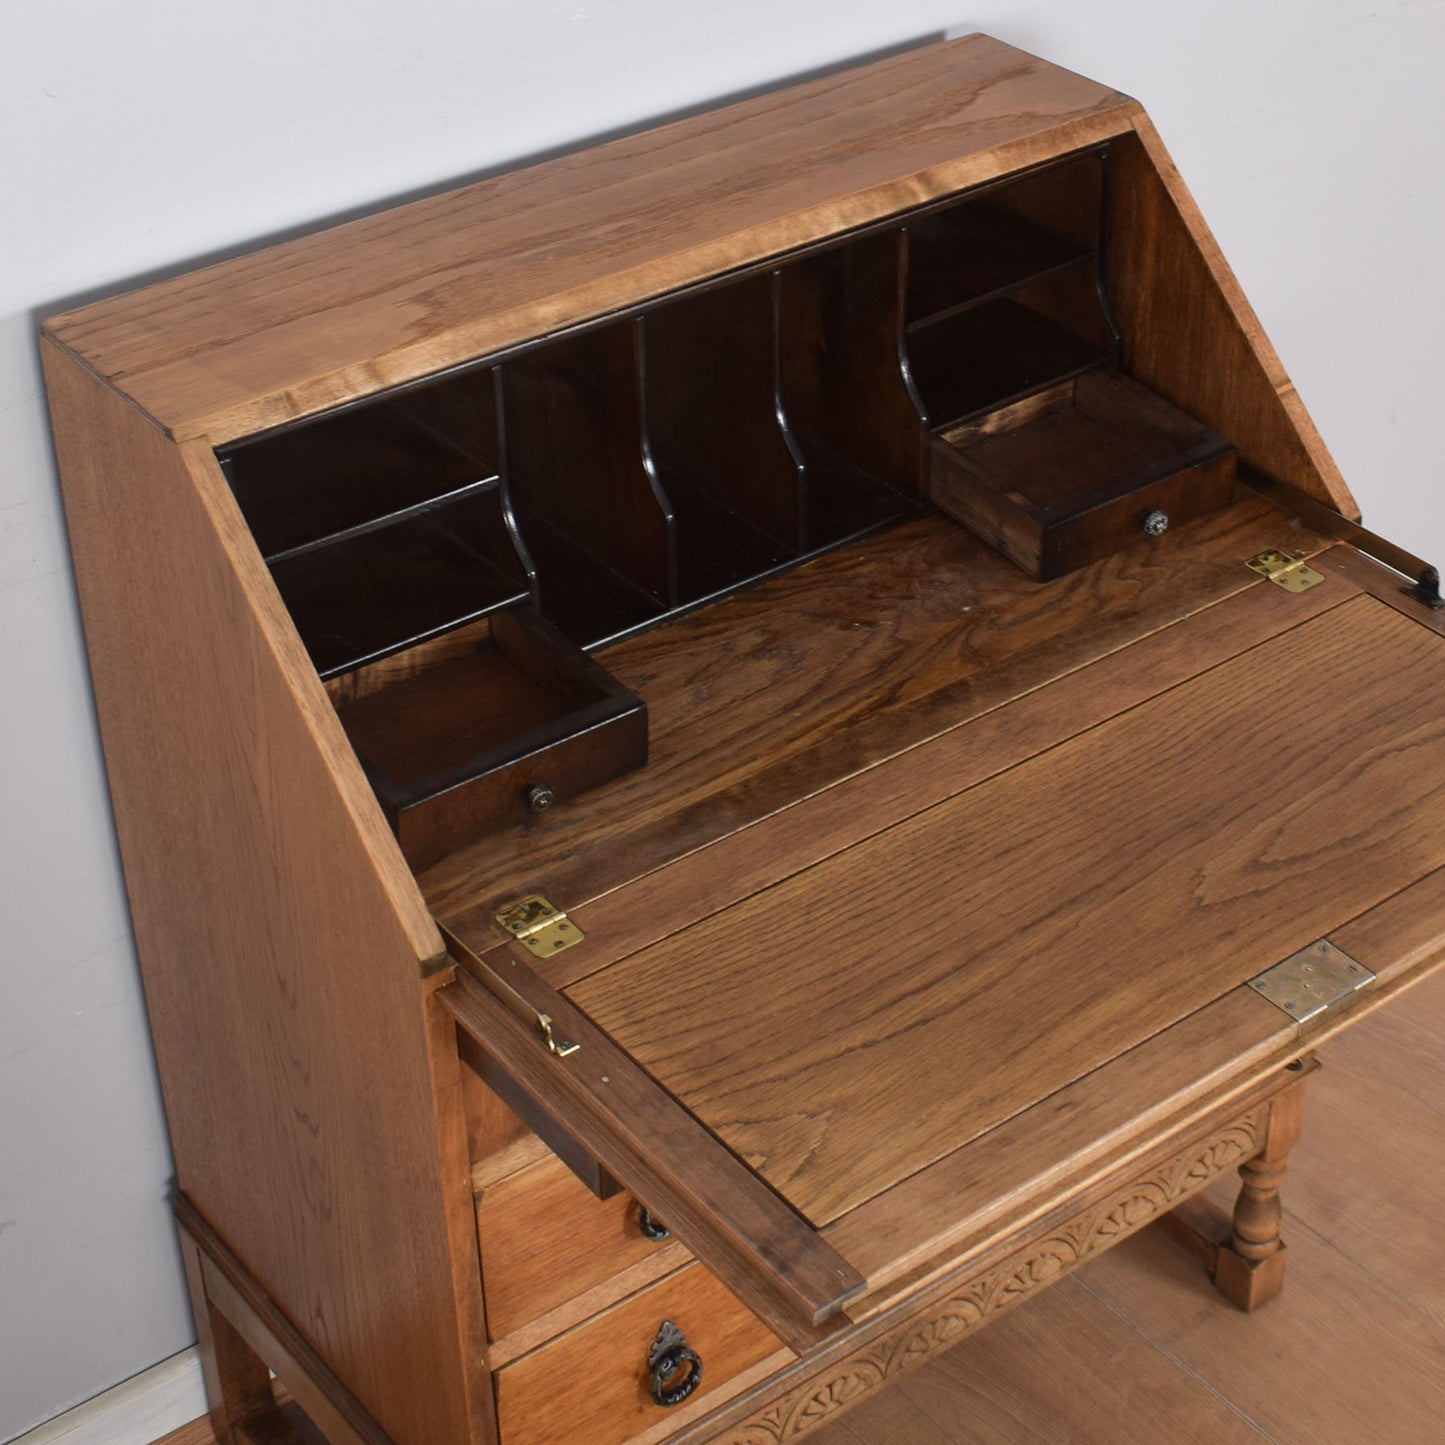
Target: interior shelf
[
  {"x": 374, "y": 592},
  {"x": 717, "y": 548},
  {"x": 586, "y": 599},
  {"x": 843, "y": 389},
  {"x": 300, "y": 487},
  {"x": 961, "y": 256},
  {"x": 577, "y": 464},
  {"x": 844, "y": 500},
  {"x": 718, "y": 436},
  {"x": 976, "y": 360},
  {"x": 493, "y": 524}
]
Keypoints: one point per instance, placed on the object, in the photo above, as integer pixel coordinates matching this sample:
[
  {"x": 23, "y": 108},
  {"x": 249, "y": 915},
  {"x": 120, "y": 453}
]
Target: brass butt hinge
[
  {"x": 557, "y": 1043},
  {"x": 1285, "y": 570},
  {"x": 1312, "y": 981},
  {"x": 540, "y": 927}
]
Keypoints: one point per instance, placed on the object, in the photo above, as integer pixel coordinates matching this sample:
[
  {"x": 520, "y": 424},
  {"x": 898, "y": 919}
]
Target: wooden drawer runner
[
  {"x": 546, "y": 1239},
  {"x": 593, "y": 1384}
]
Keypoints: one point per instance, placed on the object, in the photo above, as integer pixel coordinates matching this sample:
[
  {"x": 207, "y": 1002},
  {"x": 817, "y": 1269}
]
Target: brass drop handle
[
  {"x": 675, "y": 1370},
  {"x": 650, "y": 1227}
]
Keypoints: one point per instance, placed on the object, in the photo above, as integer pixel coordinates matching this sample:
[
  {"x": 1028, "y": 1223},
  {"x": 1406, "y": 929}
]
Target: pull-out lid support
[{"x": 762, "y": 1249}]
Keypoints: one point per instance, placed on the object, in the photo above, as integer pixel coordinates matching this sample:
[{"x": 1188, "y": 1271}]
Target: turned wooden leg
[
  {"x": 238, "y": 1384},
  {"x": 1244, "y": 1256},
  {"x": 1249, "y": 1268}
]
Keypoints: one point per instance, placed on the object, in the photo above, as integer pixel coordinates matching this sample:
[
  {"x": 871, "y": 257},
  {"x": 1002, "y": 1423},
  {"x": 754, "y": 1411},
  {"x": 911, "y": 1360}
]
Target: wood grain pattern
[
  {"x": 780, "y": 691},
  {"x": 319, "y": 320},
  {"x": 234, "y": 1299},
  {"x": 1219, "y": 1059},
  {"x": 545, "y": 1238},
  {"x": 1189, "y": 332},
  {"x": 984, "y": 741},
  {"x": 1039, "y": 888},
  {"x": 1305, "y": 1370},
  {"x": 1362, "y": 1205},
  {"x": 593, "y": 1384},
  {"x": 279, "y": 933},
  {"x": 964, "y": 1302},
  {"x": 640, "y": 1136},
  {"x": 1086, "y": 1015},
  {"x": 1067, "y": 1368}
]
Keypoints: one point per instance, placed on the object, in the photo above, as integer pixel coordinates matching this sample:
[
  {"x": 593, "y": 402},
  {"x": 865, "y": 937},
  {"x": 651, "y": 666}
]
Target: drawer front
[
  {"x": 1077, "y": 472},
  {"x": 546, "y": 1238},
  {"x": 594, "y": 1384}
]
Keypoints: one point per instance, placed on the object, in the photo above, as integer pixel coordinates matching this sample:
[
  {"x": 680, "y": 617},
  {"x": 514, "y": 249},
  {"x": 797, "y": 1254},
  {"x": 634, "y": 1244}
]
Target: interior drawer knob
[
  {"x": 540, "y": 797},
  {"x": 650, "y": 1227},
  {"x": 676, "y": 1371},
  {"x": 1155, "y": 523}
]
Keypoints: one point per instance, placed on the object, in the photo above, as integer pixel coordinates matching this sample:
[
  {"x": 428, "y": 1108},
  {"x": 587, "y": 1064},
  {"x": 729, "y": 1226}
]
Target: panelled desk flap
[{"x": 868, "y": 1066}]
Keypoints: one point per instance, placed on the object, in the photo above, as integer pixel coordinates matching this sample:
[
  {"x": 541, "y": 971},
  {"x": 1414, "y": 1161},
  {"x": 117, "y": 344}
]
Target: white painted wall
[{"x": 138, "y": 137}]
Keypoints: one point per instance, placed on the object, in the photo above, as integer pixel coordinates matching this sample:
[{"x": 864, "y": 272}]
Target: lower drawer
[
  {"x": 546, "y": 1239},
  {"x": 594, "y": 1383}
]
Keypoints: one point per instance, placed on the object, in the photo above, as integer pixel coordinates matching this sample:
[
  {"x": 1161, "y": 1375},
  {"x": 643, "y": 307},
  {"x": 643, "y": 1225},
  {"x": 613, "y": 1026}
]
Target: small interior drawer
[
  {"x": 546, "y": 1239},
  {"x": 1078, "y": 471},
  {"x": 594, "y": 1383},
  {"x": 522, "y": 720}
]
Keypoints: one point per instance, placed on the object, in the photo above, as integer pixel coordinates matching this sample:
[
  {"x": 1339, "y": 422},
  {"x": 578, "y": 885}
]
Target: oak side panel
[
  {"x": 279, "y": 935},
  {"x": 1189, "y": 332},
  {"x": 289, "y": 330}
]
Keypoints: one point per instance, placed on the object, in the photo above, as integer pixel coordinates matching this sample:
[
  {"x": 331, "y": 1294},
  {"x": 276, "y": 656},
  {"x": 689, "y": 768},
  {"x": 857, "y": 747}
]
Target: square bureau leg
[{"x": 243, "y": 1336}]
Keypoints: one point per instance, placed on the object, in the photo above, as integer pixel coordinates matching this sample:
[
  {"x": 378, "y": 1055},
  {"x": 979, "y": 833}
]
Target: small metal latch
[
  {"x": 539, "y": 926},
  {"x": 1315, "y": 979},
  {"x": 556, "y": 1043},
  {"x": 1285, "y": 570}
]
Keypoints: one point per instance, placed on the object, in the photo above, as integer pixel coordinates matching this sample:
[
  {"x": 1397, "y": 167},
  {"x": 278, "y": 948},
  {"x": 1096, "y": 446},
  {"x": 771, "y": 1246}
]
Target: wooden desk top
[{"x": 1008, "y": 918}]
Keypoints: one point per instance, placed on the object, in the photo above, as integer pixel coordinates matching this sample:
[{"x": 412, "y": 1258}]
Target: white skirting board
[{"x": 134, "y": 1412}]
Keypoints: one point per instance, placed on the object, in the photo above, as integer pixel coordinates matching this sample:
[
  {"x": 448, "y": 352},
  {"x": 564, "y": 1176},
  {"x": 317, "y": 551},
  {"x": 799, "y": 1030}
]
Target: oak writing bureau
[{"x": 731, "y": 752}]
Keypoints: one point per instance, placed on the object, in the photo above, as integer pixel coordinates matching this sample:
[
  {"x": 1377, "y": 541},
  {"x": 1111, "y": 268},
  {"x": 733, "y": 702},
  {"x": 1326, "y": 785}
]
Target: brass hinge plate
[
  {"x": 1315, "y": 979},
  {"x": 1285, "y": 570},
  {"x": 539, "y": 926}
]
